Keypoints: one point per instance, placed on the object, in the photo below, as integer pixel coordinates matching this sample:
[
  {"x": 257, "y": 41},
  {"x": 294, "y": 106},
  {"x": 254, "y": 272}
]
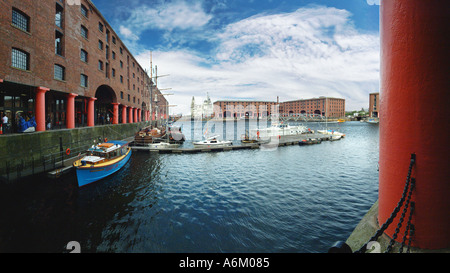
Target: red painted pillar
[
  {"x": 139, "y": 115},
  {"x": 70, "y": 115},
  {"x": 414, "y": 116},
  {"x": 91, "y": 112},
  {"x": 40, "y": 108},
  {"x": 135, "y": 114},
  {"x": 124, "y": 114},
  {"x": 130, "y": 114},
  {"x": 115, "y": 119}
]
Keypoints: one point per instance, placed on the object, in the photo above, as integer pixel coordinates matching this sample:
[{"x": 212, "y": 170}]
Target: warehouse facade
[{"x": 63, "y": 64}]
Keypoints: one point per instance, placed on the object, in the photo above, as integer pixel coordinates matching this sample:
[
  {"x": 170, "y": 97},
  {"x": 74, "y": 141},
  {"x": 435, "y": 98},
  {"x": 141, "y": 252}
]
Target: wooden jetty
[{"x": 282, "y": 141}]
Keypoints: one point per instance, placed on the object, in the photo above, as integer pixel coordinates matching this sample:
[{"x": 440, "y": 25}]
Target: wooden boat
[
  {"x": 148, "y": 136},
  {"x": 246, "y": 138},
  {"x": 310, "y": 141},
  {"x": 101, "y": 161}
]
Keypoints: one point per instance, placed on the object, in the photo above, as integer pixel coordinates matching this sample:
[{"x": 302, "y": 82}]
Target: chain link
[
  {"x": 400, "y": 221},
  {"x": 381, "y": 230}
]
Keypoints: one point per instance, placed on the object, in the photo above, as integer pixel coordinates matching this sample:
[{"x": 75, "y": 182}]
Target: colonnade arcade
[{"x": 101, "y": 109}]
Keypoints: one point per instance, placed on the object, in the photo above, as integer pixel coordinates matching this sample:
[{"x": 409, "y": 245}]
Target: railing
[{"x": 42, "y": 160}]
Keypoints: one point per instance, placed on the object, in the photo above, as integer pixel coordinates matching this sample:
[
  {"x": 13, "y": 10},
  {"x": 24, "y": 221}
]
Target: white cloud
[
  {"x": 373, "y": 2},
  {"x": 168, "y": 16},
  {"x": 307, "y": 53},
  {"x": 128, "y": 34}
]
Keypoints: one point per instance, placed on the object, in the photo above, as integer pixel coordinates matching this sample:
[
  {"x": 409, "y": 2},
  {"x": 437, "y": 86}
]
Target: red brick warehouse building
[
  {"x": 64, "y": 63},
  {"x": 322, "y": 106},
  {"x": 243, "y": 108}
]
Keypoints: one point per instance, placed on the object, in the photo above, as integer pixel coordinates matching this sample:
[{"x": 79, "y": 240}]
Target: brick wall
[{"x": 39, "y": 42}]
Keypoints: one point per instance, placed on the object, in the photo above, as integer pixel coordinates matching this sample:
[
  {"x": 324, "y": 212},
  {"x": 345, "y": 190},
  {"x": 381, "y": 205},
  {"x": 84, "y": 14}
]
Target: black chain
[
  {"x": 400, "y": 221},
  {"x": 396, "y": 210},
  {"x": 410, "y": 228}
]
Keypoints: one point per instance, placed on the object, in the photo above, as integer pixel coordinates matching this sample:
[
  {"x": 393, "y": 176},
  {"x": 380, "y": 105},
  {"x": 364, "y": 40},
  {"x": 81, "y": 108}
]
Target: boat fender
[
  {"x": 68, "y": 151},
  {"x": 106, "y": 139}
]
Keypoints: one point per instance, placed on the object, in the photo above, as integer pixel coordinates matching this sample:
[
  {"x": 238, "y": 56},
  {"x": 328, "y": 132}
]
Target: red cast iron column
[{"x": 414, "y": 116}]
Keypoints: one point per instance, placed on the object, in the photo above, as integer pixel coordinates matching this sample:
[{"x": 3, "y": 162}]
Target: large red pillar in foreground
[
  {"x": 414, "y": 116},
  {"x": 40, "y": 108},
  {"x": 91, "y": 112},
  {"x": 70, "y": 115}
]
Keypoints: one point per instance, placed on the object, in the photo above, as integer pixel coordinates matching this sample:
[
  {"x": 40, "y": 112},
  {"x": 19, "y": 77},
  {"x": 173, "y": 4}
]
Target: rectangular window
[
  {"x": 59, "y": 50},
  {"x": 107, "y": 36},
  {"x": 84, "y": 32},
  {"x": 121, "y": 79},
  {"x": 113, "y": 55},
  {"x": 84, "y": 80},
  {"x": 20, "y": 59},
  {"x": 84, "y": 56},
  {"x": 59, "y": 72},
  {"x": 121, "y": 64},
  {"x": 121, "y": 94},
  {"x": 113, "y": 72},
  {"x": 114, "y": 39},
  {"x": 100, "y": 65},
  {"x": 84, "y": 11},
  {"x": 100, "y": 44},
  {"x": 20, "y": 20},
  {"x": 59, "y": 16},
  {"x": 128, "y": 97},
  {"x": 100, "y": 27}
]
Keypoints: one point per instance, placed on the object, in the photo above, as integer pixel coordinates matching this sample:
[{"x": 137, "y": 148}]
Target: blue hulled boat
[{"x": 101, "y": 161}]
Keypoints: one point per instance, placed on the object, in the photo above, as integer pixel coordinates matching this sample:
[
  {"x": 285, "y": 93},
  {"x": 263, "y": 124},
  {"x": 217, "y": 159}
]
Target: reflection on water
[{"x": 294, "y": 199}]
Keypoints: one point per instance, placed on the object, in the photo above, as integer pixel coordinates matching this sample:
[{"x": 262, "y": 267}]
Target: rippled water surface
[{"x": 293, "y": 199}]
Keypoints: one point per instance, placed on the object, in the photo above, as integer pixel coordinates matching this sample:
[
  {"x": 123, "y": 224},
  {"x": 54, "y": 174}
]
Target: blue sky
[{"x": 255, "y": 49}]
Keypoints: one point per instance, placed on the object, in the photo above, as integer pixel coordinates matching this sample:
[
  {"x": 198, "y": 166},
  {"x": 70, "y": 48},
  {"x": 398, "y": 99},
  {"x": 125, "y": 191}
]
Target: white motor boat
[
  {"x": 163, "y": 145},
  {"x": 211, "y": 142},
  {"x": 373, "y": 121},
  {"x": 331, "y": 132},
  {"x": 335, "y": 137},
  {"x": 278, "y": 130}
]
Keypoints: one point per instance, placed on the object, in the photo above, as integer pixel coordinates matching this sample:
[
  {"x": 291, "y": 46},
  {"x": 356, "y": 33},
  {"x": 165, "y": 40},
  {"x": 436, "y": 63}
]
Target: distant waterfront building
[
  {"x": 322, "y": 106},
  {"x": 65, "y": 64},
  {"x": 243, "y": 108},
  {"x": 204, "y": 110},
  {"x": 374, "y": 105}
]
